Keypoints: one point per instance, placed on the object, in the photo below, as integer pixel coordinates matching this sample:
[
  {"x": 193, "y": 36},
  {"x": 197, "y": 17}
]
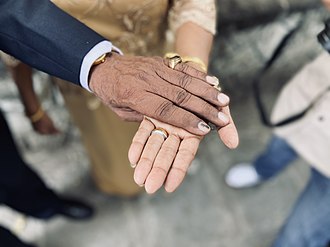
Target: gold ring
[
  {"x": 160, "y": 131},
  {"x": 173, "y": 59}
]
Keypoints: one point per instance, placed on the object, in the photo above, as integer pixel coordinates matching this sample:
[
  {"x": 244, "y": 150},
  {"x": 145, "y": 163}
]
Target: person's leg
[
  {"x": 22, "y": 189},
  {"x": 278, "y": 155},
  {"x": 7, "y": 239},
  {"x": 309, "y": 222},
  {"x": 274, "y": 159}
]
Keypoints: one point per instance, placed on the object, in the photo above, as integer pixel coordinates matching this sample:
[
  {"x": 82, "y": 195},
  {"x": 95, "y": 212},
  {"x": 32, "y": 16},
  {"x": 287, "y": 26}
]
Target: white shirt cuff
[{"x": 97, "y": 51}]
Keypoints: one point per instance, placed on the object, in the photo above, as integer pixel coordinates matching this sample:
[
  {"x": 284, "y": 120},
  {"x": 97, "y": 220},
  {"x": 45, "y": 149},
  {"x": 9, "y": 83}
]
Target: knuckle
[
  {"x": 211, "y": 94},
  {"x": 146, "y": 161},
  {"x": 165, "y": 109},
  {"x": 159, "y": 169},
  {"x": 159, "y": 60},
  {"x": 143, "y": 130},
  {"x": 185, "y": 80},
  {"x": 167, "y": 150},
  {"x": 179, "y": 170},
  {"x": 199, "y": 73},
  {"x": 138, "y": 143},
  {"x": 182, "y": 97},
  {"x": 183, "y": 67},
  {"x": 142, "y": 75},
  {"x": 187, "y": 153}
]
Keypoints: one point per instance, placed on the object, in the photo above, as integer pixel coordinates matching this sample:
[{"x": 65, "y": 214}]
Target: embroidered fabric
[
  {"x": 200, "y": 12},
  {"x": 138, "y": 26},
  {"x": 135, "y": 26}
]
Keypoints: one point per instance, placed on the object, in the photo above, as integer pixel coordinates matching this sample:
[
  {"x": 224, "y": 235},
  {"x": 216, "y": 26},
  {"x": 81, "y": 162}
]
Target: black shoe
[
  {"x": 7, "y": 239},
  {"x": 74, "y": 209}
]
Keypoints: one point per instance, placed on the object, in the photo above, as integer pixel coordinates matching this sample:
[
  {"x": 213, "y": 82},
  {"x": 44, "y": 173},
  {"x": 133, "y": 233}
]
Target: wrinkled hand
[
  {"x": 135, "y": 86},
  {"x": 45, "y": 126},
  {"x": 159, "y": 162}
]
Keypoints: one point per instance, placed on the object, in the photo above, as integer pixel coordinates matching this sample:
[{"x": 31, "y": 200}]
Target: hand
[
  {"x": 326, "y": 4},
  {"x": 159, "y": 162},
  {"x": 135, "y": 86},
  {"x": 228, "y": 134},
  {"x": 45, "y": 126}
]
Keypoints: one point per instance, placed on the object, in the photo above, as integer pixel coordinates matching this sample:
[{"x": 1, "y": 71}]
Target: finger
[
  {"x": 186, "y": 69},
  {"x": 200, "y": 107},
  {"x": 147, "y": 159},
  {"x": 165, "y": 111},
  {"x": 127, "y": 114},
  {"x": 162, "y": 164},
  {"x": 186, "y": 154},
  {"x": 195, "y": 82},
  {"x": 139, "y": 140},
  {"x": 228, "y": 134}
]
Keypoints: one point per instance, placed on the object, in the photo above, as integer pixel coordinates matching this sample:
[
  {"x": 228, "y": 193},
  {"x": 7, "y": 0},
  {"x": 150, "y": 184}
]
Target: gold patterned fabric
[{"x": 135, "y": 26}]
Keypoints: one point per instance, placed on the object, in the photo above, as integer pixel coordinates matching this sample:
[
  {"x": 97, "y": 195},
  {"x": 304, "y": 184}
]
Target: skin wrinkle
[
  {"x": 182, "y": 98},
  {"x": 165, "y": 109},
  {"x": 136, "y": 83},
  {"x": 185, "y": 80}
]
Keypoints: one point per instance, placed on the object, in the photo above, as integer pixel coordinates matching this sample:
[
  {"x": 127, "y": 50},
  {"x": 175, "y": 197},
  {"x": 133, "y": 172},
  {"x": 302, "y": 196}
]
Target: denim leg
[
  {"x": 308, "y": 225},
  {"x": 277, "y": 156}
]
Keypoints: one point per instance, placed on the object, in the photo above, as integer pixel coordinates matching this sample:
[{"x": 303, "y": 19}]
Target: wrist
[
  {"x": 88, "y": 60},
  {"x": 97, "y": 70},
  {"x": 37, "y": 115}
]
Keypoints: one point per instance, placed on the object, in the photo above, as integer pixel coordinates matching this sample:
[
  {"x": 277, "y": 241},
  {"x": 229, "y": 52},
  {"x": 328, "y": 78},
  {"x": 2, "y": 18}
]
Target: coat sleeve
[{"x": 45, "y": 37}]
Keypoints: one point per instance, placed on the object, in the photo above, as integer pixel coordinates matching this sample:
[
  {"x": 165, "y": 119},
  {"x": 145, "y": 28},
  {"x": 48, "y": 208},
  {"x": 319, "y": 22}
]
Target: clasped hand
[
  {"x": 158, "y": 161},
  {"x": 135, "y": 86}
]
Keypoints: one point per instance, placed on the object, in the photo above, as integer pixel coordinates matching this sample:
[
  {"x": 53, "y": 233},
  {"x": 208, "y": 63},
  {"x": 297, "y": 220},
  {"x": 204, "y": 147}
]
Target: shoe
[
  {"x": 74, "y": 209},
  {"x": 242, "y": 175},
  {"x": 67, "y": 207},
  {"x": 8, "y": 239}
]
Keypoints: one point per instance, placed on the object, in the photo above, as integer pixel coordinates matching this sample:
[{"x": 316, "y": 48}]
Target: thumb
[{"x": 228, "y": 134}]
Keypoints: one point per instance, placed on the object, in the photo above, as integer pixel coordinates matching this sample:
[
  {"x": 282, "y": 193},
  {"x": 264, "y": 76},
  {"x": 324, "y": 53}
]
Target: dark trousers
[
  {"x": 7, "y": 239},
  {"x": 20, "y": 187}
]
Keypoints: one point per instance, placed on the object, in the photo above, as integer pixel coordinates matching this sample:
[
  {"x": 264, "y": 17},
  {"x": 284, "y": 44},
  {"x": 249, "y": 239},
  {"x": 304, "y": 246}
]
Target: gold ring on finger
[
  {"x": 173, "y": 59},
  {"x": 160, "y": 131}
]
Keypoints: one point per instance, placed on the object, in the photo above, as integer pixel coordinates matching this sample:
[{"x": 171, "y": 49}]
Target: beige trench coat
[{"x": 309, "y": 136}]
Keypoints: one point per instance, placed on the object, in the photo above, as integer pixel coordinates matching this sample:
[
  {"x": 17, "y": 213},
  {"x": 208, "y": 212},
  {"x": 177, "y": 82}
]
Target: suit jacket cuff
[{"x": 97, "y": 51}]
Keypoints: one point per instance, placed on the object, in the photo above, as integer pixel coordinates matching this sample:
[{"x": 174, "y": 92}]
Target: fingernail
[
  {"x": 133, "y": 165},
  {"x": 204, "y": 127},
  {"x": 223, "y": 117},
  {"x": 212, "y": 80},
  {"x": 223, "y": 99}
]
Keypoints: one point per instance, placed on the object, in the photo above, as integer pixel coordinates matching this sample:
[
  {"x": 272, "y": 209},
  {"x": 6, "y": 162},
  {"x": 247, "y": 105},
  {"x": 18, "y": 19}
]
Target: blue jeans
[
  {"x": 308, "y": 224},
  {"x": 278, "y": 155}
]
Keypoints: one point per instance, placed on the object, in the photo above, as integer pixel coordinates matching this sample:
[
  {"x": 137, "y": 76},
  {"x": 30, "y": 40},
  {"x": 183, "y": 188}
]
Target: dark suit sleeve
[{"x": 45, "y": 37}]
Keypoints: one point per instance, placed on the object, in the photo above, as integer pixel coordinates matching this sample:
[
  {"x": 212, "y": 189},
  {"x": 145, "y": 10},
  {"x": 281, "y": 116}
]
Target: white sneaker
[{"x": 242, "y": 175}]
